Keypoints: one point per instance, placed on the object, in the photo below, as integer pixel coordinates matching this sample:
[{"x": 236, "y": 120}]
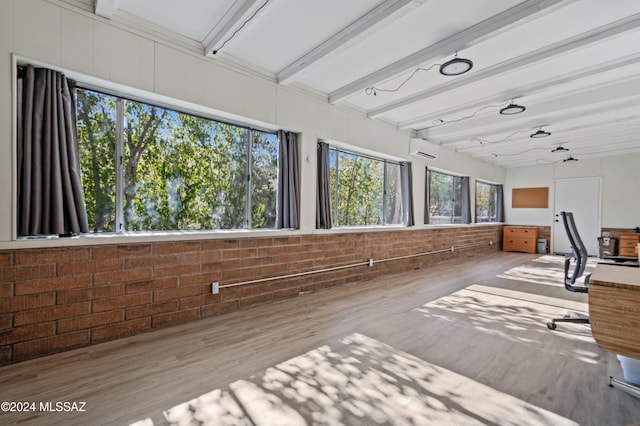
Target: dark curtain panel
[
  {"x": 465, "y": 202},
  {"x": 289, "y": 182},
  {"x": 406, "y": 182},
  {"x": 499, "y": 203},
  {"x": 50, "y": 199},
  {"x": 427, "y": 191},
  {"x": 323, "y": 194}
]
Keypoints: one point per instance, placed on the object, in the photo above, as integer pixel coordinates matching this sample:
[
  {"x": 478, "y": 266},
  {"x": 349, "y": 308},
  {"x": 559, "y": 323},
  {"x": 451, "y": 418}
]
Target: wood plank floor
[{"x": 457, "y": 343}]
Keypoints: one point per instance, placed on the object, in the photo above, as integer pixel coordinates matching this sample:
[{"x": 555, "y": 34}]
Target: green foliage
[
  {"x": 358, "y": 187},
  {"x": 445, "y": 194},
  {"x": 486, "y": 202},
  {"x": 96, "y": 138},
  {"x": 180, "y": 172},
  {"x": 264, "y": 179}
]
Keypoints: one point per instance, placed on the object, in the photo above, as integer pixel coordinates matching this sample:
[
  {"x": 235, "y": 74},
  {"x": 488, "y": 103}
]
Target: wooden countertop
[{"x": 616, "y": 276}]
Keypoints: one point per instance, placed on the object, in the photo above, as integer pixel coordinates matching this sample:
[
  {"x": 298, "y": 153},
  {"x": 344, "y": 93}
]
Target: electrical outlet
[{"x": 215, "y": 287}]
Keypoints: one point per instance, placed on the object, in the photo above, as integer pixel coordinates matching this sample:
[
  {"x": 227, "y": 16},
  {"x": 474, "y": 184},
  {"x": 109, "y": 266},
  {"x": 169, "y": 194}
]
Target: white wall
[
  {"x": 620, "y": 193},
  {"x": 56, "y": 34}
]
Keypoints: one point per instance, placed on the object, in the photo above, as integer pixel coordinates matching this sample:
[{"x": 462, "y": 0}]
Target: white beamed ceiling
[{"x": 574, "y": 64}]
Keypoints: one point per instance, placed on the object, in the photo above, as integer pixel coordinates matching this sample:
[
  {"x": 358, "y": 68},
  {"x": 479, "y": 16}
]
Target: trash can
[
  {"x": 542, "y": 245},
  {"x": 607, "y": 246}
]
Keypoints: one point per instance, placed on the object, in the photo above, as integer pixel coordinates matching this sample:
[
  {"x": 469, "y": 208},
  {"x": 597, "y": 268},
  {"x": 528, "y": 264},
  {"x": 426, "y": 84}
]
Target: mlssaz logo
[{"x": 64, "y": 406}]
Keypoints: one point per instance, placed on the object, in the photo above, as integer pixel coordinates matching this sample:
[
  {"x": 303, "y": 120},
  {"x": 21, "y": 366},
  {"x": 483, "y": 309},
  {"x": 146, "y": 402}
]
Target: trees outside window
[
  {"x": 146, "y": 167},
  {"x": 364, "y": 190},
  {"x": 486, "y": 202},
  {"x": 444, "y": 198}
]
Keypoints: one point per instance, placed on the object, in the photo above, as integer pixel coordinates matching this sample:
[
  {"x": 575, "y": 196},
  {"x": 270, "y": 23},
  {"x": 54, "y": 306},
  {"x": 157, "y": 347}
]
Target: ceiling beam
[
  {"x": 226, "y": 24},
  {"x": 383, "y": 11},
  {"x": 533, "y": 89},
  {"x": 581, "y": 155},
  {"x": 617, "y": 120},
  {"x": 105, "y": 8},
  {"x": 578, "y": 140},
  {"x": 618, "y": 27},
  {"x": 602, "y": 99},
  {"x": 449, "y": 45}
]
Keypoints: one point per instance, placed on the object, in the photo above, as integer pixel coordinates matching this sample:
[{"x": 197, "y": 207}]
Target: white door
[{"x": 582, "y": 197}]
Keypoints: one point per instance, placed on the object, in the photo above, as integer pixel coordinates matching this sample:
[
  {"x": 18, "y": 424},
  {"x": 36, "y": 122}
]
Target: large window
[
  {"x": 446, "y": 198},
  {"x": 486, "y": 202},
  {"x": 150, "y": 168},
  {"x": 364, "y": 190}
]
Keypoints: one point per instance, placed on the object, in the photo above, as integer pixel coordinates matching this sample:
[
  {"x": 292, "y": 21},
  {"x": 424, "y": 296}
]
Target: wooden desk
[
  {"x": 614, "y": 309},
  {"x": 614, "y": 314}
]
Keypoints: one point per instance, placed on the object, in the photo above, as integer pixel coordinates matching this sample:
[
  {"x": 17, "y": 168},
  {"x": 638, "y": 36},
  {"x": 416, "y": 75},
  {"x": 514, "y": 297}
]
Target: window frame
[
  {"x": 494, "y": 189},
  {"x": 428, "y": 197},
  {"x": 121, "y": 100},
  {"x": 338, "y": 149},
  {"x": 144, "y": 93}
]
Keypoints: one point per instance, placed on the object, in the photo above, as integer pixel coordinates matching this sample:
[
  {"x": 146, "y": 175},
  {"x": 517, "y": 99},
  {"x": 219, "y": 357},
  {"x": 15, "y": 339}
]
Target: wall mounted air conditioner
[{"x": 423, "y": 148}]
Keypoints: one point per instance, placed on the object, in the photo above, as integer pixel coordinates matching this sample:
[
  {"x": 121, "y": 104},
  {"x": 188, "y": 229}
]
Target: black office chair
[{"x": 579, "y": 253}]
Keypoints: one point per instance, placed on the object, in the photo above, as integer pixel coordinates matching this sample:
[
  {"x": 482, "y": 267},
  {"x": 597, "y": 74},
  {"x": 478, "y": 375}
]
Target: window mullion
[{"x": 119, "y": 160}]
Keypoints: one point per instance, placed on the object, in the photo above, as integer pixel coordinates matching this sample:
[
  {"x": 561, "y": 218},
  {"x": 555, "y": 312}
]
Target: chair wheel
[{"x": 551, "y": 325}]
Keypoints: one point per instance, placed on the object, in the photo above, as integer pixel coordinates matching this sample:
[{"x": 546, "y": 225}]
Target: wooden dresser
[
  {"x": 520, "y": 238},
  {"x": 628, "y": 244}
]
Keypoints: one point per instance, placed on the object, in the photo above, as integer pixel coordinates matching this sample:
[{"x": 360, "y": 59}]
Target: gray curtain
[
  {"x": 323, "y": 194},
  {"x": 465, "y": 202},
  {"x": 499, "y": 203},
  {"x": 406, "y": 182},
  {"x": 289, "y": 182},
  {"x": 50, "y": 199},
  {"x": 427, "y": 192}
]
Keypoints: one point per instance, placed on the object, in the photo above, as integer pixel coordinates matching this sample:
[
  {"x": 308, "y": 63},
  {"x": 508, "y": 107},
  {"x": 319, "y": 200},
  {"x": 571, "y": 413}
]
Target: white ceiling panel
[
  {"x": 398, "y": 39},
  {"x": 574, "y": 64},
  {"x": 287, "y": 29},
  {"x": 190, "y": 18}
]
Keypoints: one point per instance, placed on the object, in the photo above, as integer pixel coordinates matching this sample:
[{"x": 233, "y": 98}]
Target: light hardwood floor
[{"x": 456, "y": 343}]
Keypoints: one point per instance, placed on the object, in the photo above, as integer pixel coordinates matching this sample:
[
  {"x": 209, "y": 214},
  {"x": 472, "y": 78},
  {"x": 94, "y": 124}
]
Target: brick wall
[{"x": 53, "y": 300}]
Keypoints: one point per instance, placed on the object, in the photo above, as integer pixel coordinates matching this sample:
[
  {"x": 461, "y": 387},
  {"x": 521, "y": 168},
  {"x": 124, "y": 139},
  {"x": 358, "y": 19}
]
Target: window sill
[
  {"x": 178, "y": 236},
  {"x": 140, "y": 237},
  {"x": 460, "y": 225}
]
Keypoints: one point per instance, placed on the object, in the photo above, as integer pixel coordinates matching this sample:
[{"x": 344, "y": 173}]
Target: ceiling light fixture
[
  {"x": 570, "y": 158},
  {"x": 456, "y": 66},
  {"x": 540, "y": 134},
  {"x": 512, "y": 109},
  {"x": 560, "y": 148},
  {"x": 441, "y": 121}
]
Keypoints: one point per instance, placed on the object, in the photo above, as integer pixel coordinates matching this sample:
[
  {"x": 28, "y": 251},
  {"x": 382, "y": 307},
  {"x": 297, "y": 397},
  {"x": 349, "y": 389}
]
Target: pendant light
[
  {"x": 540, "y": 134},
  {"x": 456, "y": 66},
  {"x": 512, "y": 109}
]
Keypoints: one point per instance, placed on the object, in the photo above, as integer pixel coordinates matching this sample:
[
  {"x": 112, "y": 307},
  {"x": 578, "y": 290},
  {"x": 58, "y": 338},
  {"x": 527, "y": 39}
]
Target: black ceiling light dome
[
  {"x": 569, "y": 158},
  {"x": 560, "y": 148},
  {"x": 456, "y": 66},
  {"x": 512, "y": 109},
  {"x": 540, "y": 134}
]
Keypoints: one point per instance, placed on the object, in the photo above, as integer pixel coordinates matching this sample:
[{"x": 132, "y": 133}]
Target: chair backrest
[{"x": 579, "y": 251}]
